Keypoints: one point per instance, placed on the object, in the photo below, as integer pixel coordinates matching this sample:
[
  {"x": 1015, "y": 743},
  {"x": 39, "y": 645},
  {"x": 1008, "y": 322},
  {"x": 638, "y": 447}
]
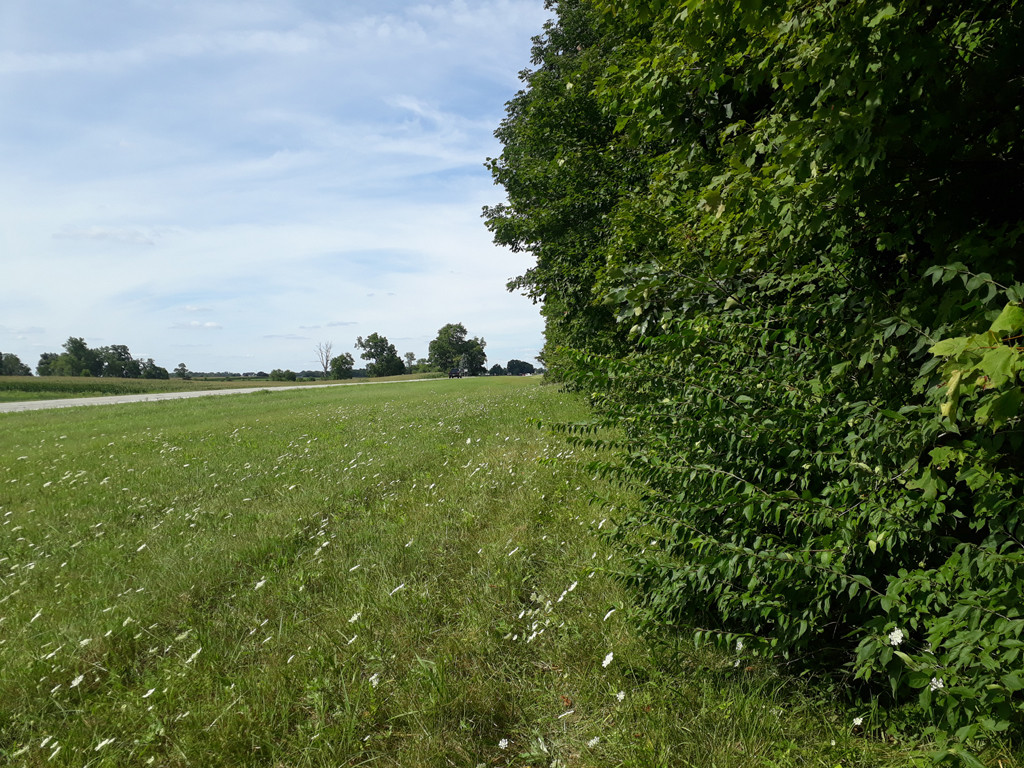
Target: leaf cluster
[{"x": 814, "y": 275}]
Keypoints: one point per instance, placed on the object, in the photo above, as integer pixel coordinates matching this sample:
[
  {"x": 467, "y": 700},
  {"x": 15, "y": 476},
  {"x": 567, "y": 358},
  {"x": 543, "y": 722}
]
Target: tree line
[
  {"x": 778, "y": 246},
  {"x": 78, "y": 359},
  {"x": 451, "y": 350}
]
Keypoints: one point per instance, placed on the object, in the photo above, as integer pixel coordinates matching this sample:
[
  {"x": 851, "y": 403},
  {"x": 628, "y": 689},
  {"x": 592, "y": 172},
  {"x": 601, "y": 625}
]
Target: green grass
[
  {"x": 24, "y": 388},
  {"x": 373, "y": 575}
]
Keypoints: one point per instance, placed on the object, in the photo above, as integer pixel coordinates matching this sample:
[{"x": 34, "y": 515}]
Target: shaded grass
[{"x": 349, "y": 576}]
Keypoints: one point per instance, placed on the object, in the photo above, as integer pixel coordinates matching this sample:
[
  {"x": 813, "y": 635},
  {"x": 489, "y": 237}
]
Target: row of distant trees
[
  {"x": 78, "y": 359},
  {"x": 451, "y": 350}
]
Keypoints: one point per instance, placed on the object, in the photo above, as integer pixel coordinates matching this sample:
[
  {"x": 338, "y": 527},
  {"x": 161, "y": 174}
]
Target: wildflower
[
  {"x": 355, "y": 617},
  {"x": 739, "y": 645},
  {"x": 503, "y": 744},
  {"x": 620, "y": 695},
  {"x": 896, "y": 637},
  {"x": 77, "y": 680},
  {"x": 608, "y": 659},
  {"x": 593, "y": 742},
  {"x": 374, "y": 679},
  {"x": 260, "y": 583},
  {"x": 936, "y": 684},
  {"x": 857, "y": 721}
]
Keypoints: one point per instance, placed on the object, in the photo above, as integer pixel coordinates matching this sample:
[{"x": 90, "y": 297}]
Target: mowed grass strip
[{"x": 338, "y": 577}]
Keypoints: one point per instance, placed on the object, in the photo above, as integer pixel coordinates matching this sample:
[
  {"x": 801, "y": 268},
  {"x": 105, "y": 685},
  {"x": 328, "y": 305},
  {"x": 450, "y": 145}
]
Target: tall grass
[{"x": 338, "y": 577}]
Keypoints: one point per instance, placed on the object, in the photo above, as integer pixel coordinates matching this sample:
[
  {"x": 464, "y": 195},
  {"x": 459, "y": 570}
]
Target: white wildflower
[
  {"x": 857, "y": 721},
  {"x": 77, "y": 680},
  {"x": 593, "y": 742},
  {"x": 608, "y": 659},
  {"x": 620, "y": 695},
  {"x": 355, "y": 617},
  {"x": 896, "y": 637},
  {"x": 260, "y": 583},
  {"x": 937, "y": 684},
  {"x": 739, "y": 645},
  {"x": 503, "y": 744},
  {"x": 374, "y": 679}
]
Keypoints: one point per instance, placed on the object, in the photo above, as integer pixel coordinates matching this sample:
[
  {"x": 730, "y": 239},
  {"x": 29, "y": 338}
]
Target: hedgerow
[{"x": 816, "y": 282}]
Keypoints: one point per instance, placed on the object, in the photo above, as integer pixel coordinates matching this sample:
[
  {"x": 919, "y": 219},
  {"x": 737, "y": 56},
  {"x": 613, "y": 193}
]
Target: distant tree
[
  {"x": 182, "y": 372},
  {"x": 518, "y": 368},
  {"x": 386, "y": 361},
  {"x": 451, "y": 349},
  {"x": 118, "y": 362},
  {"x": 342, "y": 365},
  {"x": 323, "y": 354},
  {"x": 278, "y": 375},
  {"x": 11, "y": 365},
  {"x": 46, "y": 362},
  {"x": 497, "y": 370},
  {"x": 150, "y": 370},
  {"x": 410, "y": 359},
  {"x": 80, "y": 360}
]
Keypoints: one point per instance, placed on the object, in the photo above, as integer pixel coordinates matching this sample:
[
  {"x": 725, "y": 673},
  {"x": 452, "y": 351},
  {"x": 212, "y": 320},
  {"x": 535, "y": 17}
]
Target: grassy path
[{"x": 339, "y": 577}]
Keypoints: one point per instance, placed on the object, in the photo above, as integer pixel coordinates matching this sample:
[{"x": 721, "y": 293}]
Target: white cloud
[{"x": 263, "y": 163}]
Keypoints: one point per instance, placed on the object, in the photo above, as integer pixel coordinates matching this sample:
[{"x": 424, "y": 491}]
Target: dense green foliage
[
  {"x": 114, "y": 361},
  {"x": 11, "y": 365},
  {"x": 342, "y": 365},
  {"x": 818, "y": 277},
  {"x": 377, "y": 348},
  {"x": 451, "y": 349}
]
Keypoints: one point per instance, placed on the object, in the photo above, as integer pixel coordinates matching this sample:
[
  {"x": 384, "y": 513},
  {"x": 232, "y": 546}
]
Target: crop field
[
  {"x": 23, "y": 388},
  {"x": 377, "y": 575}
]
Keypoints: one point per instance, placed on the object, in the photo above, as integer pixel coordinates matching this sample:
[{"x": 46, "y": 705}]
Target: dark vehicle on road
[{"x": 454, "y": 373}]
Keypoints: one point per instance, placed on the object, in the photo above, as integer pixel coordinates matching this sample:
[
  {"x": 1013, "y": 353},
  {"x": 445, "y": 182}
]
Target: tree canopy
[
  {"x": 452, "y": 349},
  {"x": 78, "y": 359},
  {"x": 11, "y": 365},
  {"x": 377, "y": 348},
  {"x": 778, "y": 244},
  {"x": 342, "y": 365}
]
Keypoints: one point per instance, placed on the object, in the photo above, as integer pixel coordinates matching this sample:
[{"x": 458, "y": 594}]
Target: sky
[{"x": 228, "y": 183}]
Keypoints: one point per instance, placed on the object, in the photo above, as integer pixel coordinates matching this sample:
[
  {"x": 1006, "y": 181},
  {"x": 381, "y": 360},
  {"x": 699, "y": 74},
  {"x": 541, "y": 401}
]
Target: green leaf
[
  {"x": 999, "y": 409},
  {"x": 1010, "y": 319},
  {"x": 950, "y": 347},
  {"x": 886, "y": 13},
  {"x": 1013, "y": 681},
  {"x": 1000, "y": 365}
]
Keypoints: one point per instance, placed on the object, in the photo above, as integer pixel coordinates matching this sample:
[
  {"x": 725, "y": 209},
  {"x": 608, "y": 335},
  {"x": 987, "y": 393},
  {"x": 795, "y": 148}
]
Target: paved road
[{"x": 72, "y": 402}]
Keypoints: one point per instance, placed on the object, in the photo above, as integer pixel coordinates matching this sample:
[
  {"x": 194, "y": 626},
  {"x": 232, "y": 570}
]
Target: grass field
[
  {"x": 373, "y": 575},
  {"x": 23, "y": 388}
]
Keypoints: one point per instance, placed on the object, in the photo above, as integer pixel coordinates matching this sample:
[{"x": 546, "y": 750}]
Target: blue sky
[{"x": 226, "y": 183}]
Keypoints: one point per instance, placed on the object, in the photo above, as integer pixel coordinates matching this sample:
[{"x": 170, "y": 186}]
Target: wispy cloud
[{"x": 263, "y": 164}]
